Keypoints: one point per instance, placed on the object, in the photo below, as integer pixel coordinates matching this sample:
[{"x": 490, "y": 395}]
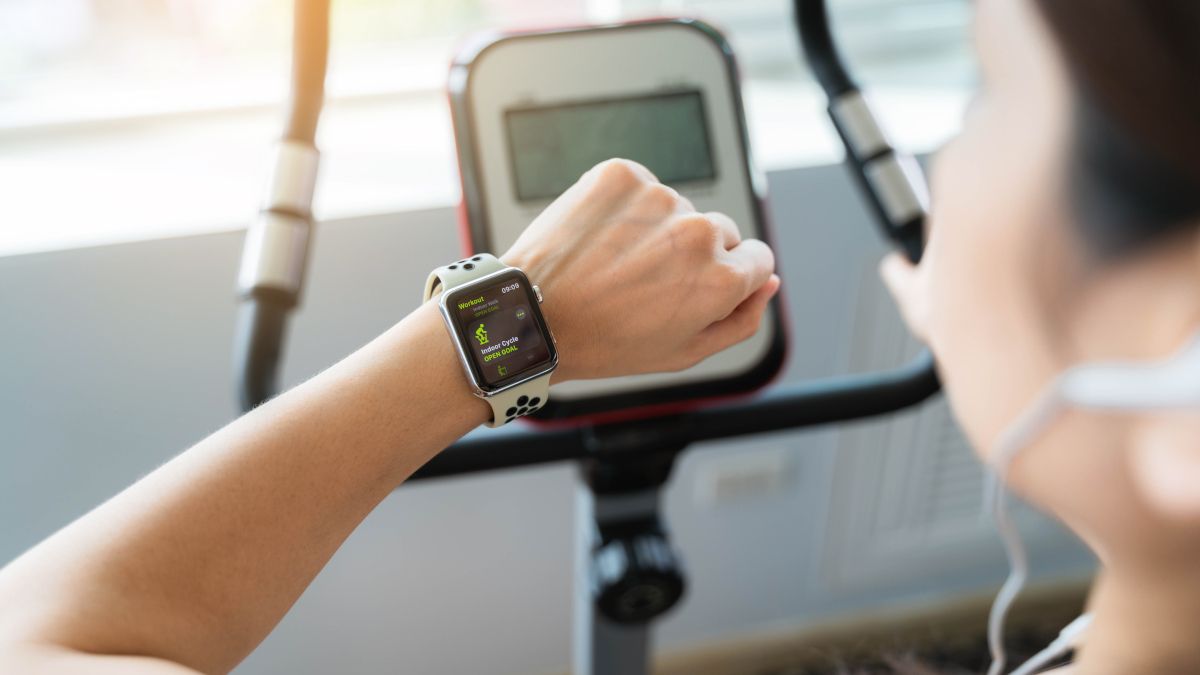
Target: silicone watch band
[{"x": 512, "y": 403}]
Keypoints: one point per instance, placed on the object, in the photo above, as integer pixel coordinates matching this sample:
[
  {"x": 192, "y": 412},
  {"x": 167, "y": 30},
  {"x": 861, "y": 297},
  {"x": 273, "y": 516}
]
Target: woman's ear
[{"x": 1164, "y": 462}]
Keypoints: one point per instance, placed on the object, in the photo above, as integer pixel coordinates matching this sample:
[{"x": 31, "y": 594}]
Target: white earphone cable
[
  {"x": 1066, "y": 640},
  {"x": 1021, "y": 434},
  {"x": 1171, "y": 383}
]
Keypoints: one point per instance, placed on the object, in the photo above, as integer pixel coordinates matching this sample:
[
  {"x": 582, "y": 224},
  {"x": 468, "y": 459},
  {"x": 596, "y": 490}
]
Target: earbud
[{"x": 1173, "y": 382}]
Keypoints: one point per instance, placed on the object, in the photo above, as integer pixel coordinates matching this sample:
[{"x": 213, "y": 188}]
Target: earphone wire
[
  {"x": 1021, "y": 434},
  {"x": 1064, "y": 643},
  {"x": 1165, "y": 384}
]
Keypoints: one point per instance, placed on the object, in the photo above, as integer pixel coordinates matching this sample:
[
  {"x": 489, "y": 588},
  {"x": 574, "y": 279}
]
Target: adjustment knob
[{"x": 636, "y": 579}]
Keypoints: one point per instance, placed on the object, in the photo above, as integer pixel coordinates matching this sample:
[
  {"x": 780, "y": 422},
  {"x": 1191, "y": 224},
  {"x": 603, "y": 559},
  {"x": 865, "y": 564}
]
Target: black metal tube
[
  {"x": 826, "y": 401},
  {"x": 820, "y": 51},
  {"x": 816, "y": 38},
  {"x": 258, "y": 342},
  {"x": 791, "y": 406}
]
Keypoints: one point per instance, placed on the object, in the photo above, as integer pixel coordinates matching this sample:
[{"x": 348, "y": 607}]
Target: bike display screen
[
  {"x": 552, "y": 146},
  {"x": 501, "y": 329}
]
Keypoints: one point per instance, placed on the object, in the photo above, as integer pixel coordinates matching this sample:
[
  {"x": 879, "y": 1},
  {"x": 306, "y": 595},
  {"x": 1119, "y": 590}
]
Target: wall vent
[{"x": 907, "y": 488}]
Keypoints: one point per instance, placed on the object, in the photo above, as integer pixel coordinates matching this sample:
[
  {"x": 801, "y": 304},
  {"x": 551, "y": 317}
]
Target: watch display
[{"x": 501, "y": 329}]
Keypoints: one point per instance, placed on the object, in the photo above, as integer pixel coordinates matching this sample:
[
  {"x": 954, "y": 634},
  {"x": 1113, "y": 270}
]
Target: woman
[
  {"x": 190, "y": 568},
  {"x": 1064, "y": 231}
]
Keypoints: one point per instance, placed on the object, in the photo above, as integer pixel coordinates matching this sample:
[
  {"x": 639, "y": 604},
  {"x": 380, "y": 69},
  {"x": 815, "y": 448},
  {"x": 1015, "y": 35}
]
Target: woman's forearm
[{"x": 197, "y": 562}]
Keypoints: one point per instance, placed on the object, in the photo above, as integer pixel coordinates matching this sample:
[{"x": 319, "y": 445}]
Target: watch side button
[{"x": 538, "y": 292}]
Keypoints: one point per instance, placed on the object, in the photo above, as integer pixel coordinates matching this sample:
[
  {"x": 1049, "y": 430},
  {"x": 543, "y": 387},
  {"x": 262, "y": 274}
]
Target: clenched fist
[{"x": 636, "y": 281}]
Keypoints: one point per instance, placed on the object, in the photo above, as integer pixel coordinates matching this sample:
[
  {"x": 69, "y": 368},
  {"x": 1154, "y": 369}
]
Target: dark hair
[{"x": 1135, "y": 165}]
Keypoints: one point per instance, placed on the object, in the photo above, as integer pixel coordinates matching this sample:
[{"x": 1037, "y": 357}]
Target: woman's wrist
[
  {"x": 436, "y": 349},
  {"x": 409, "y": 385}
]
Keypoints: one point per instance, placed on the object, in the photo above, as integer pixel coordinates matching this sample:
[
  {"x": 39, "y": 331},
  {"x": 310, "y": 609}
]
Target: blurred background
[
  {"x": 134, "y": 144},
  {"x": 153, "y": 114}
]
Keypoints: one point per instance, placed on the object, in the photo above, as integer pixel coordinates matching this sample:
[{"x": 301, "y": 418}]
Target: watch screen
[
  {"x": 501, "y": 328},
  {"x": 552, "y": 146}
]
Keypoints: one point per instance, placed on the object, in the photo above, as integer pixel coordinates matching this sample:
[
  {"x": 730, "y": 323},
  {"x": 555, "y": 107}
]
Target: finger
[
  {"x": 679, "y": 204},
  {"x": 621, "y": 163},
  {"x": 616, "y": 177},
  {"x": 901, "y": 278},
  {"x": 642, "y": 170},
  {"x": 755, "y": 261},
  {"x": 741, "y": 323},
  {"x": 684, "y": 205},
  {"x": 729, "y": 229}
]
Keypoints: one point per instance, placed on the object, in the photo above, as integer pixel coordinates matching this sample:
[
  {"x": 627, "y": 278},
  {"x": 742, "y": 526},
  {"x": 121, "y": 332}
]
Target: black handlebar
[
  {"x": 882, "y": 174},
  {"x": 820, "y": 51},
  {"x": 263, "y": 313},
  {"x": 789, "y": 406}
]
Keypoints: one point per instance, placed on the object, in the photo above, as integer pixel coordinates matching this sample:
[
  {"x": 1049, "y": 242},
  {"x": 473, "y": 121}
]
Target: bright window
[{"x": 123, "y": 119}]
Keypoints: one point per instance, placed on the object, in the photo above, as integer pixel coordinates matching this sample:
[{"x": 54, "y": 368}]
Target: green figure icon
[{"x": 481, "y": 335}]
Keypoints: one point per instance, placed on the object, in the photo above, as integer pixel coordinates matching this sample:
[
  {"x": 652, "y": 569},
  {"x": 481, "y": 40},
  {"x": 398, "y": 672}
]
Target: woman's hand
[
  {"x": 636, "y": 281},
  {"x": 909, "y": 286}
]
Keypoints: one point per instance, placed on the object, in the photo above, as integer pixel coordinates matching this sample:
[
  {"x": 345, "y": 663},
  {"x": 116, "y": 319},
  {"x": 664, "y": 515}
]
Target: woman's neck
[{"x": 1144, "y": 622}]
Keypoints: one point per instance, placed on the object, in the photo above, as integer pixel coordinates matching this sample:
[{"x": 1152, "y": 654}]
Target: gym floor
[{"x": 946, "y": 639}]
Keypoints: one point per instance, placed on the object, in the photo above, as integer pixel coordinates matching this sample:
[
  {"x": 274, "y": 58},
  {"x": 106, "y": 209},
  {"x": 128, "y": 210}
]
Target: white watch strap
[
  {"x": 461, "y": 272},
  {"x": 509, "y": 404}
]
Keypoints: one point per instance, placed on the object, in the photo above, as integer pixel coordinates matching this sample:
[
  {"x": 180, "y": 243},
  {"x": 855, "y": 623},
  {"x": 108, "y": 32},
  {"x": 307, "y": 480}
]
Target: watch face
[{"x": 501, "y": 329}]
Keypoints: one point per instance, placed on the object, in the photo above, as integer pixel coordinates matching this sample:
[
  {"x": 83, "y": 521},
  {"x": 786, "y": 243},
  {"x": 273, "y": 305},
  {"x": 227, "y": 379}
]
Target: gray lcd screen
[{"x": 552, "y": 146}]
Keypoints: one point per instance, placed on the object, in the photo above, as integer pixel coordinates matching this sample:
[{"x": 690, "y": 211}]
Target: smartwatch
[{"x": 505, "y": 346}]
